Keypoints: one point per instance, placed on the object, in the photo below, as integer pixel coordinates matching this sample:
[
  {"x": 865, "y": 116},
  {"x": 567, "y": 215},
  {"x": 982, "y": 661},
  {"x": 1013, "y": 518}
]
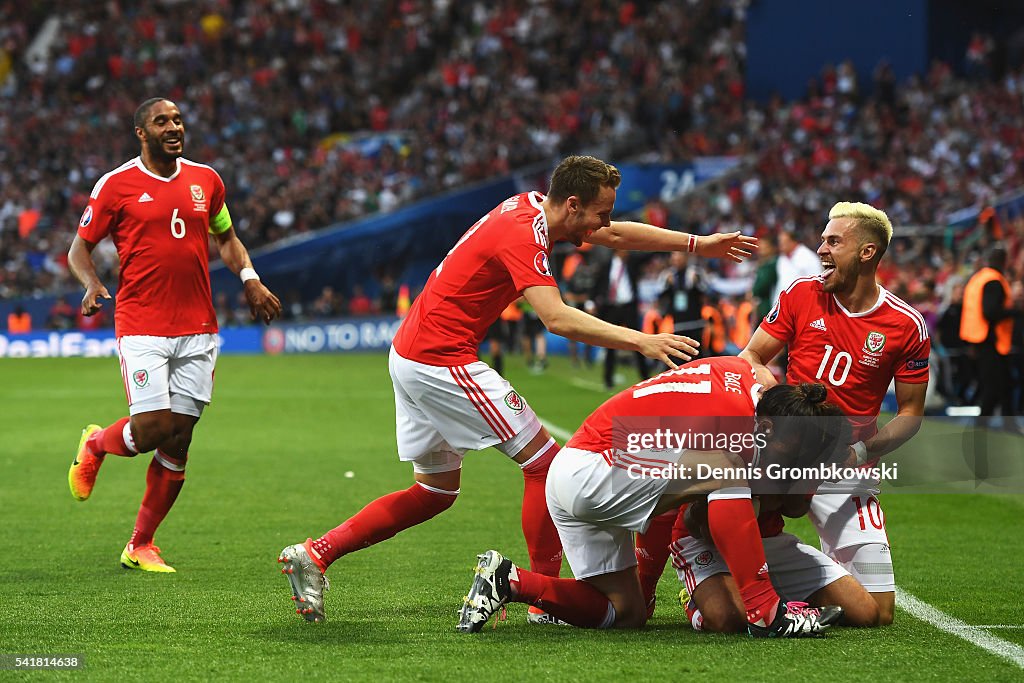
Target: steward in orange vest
[
  {"x": 713, "y": 343},
  {"x": 19, "y": 321},
  {"x": 987, "y": 324},
  {"x": 987, "y": 301}
]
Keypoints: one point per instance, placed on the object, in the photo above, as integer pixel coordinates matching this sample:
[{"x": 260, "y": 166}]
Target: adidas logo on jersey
[
  {"x": 145, "y": 198},
  {"x": 819, "y": 324}
]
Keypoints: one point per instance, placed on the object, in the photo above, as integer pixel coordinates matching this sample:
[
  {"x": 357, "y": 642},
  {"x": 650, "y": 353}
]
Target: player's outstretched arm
[
  {"x": 571, "y": 323},
  {"x": 635, "y": 236},
  {"x": 760, "y": 351},
  {"x": 263, "y": 305},
  {"x": 82, "y": 267}
]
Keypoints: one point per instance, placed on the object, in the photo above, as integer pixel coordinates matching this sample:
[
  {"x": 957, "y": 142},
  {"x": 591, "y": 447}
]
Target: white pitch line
[
  {"x": 588, "y": 384},
  {"x": 556, "y": 431},
  {"x": 972, "y": 634}
]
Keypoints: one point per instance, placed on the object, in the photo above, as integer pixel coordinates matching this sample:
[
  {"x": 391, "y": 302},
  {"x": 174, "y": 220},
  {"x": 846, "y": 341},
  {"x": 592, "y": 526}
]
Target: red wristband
[{"x": 691, "y": 244}]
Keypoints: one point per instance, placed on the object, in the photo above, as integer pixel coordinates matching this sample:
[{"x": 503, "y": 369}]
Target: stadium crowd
[{"x": 321, "y": 112}]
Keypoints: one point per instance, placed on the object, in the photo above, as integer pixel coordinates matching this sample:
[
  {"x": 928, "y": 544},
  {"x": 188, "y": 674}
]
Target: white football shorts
[
  {"x": 596, "y": 507},
  {"x": 797, "y": 570},
  {"x": 163, "y": 373},
  {"x": 441, "y": 412},
  {"x": 851, "y": 525}
]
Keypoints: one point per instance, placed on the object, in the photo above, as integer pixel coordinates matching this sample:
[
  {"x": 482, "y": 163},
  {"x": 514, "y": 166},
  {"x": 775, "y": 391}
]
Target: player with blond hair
[{"x": 844, "y": 330}]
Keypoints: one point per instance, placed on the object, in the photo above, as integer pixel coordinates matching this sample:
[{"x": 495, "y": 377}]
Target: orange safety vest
[
  {"x": 973, "y": 325},
  {"x": 512, "y": 313},
  {"x": 19, "y": 324},
  {"x": 741, "y": 330},
  {"x": 569, "y": 266},
  {"x": 714, "y": 333},
  {"x": 403, "y": 302},
  {"x": 656, "y": 323}
]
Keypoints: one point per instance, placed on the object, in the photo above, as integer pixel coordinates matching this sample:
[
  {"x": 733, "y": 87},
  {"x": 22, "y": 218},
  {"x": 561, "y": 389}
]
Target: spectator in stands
[
  {"x": 533, "y": 338},
  {"x": 795, "y": 260},
  {"x": 61, "y": 316},
  {"x": 388, "y": 296},
  {"x": 327, "y": 305},
  {"x": 957, "y": 365},
  {"x": 580, "y": 283},
  {"x": 686, "y": 287},
  {"x": 766, "y": 277},
  {"x": 226, "y": 315},
  {"x": 293, "y": 310},
  {"x": 615, "y": 294},
  {"x": 360, "y": 303}
]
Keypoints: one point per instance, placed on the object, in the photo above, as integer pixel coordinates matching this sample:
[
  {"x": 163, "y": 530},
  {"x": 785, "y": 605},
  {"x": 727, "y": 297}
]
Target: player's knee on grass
[
  {"x": 719, "y": 602},
  {"x": 859, "y": 606},
  {"x": 622, "y": 590},
  {"x": 629, "y": 614},
  {"x": 871, "y": 565},
  {"x": 886, "y": 603}
]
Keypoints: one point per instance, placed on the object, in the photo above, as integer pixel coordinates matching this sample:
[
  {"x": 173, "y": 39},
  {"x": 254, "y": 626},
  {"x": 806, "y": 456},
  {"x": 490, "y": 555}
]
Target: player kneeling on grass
[
  {"x": 799, "y": 571},
  {"x": 597, "y": 500}
]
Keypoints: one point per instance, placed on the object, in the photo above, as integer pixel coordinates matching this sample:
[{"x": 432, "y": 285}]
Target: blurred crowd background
[{"x": 321, "y": 112}]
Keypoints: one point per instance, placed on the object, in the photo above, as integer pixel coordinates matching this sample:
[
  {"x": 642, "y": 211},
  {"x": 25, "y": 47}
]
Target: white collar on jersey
[
  {"x": 881, "y": 298},
  {"x": 142, "y": 167}
]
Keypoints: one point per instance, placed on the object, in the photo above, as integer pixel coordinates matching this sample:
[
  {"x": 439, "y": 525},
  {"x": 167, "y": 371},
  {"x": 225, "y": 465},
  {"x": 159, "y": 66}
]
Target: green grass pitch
[{"x": 267, "y": 469}]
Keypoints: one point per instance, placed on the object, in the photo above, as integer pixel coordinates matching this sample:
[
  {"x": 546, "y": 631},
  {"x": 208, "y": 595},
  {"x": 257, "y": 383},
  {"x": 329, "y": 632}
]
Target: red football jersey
[
  {"x": 855, "y": 355},
  {"x": 707, "y": 396},
  {"x": 504, "y": 252},
  {"x": 160, "y": 227}
]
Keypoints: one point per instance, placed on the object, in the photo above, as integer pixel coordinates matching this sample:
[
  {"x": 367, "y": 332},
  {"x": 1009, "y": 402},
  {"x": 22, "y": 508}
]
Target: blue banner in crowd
[
  {"x": 331, "y": 336},
  {"x": 642, "y": 182},
  {"x": 58, "y": 344}
]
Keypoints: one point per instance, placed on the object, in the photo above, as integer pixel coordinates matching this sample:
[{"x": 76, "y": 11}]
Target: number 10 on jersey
[{"x": 840, "y": 368}]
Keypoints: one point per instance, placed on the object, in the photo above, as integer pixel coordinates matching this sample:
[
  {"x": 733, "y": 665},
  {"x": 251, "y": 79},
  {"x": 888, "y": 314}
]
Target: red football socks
[
  {"x": 542, "y": 541},
  {"x": 737, "y": 537},
  {"x": 652, "y": 550},
  {"x": 380, "y": 520},
  {"x": 112, "y": 440},
  {"x": 164, "y": 480},
  {"x": 574, "y": 602}
]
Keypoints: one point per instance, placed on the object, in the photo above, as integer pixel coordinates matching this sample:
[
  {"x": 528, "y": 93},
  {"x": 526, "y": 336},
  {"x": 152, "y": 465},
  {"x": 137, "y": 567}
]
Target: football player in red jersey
[
  {"x": 600, "y": 491},
  {"x": 159, "y": 209},
  {"x": 844, "y": 329},
  {"x": 448, "y": 402}
]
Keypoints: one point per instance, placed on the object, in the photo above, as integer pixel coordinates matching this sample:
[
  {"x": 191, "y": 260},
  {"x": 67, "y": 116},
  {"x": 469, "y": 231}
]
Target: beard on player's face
[
  {"x": 157, "y": 144},
  {"x": 579, "y": 229},
  {"x": 845, "y": 276}
]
